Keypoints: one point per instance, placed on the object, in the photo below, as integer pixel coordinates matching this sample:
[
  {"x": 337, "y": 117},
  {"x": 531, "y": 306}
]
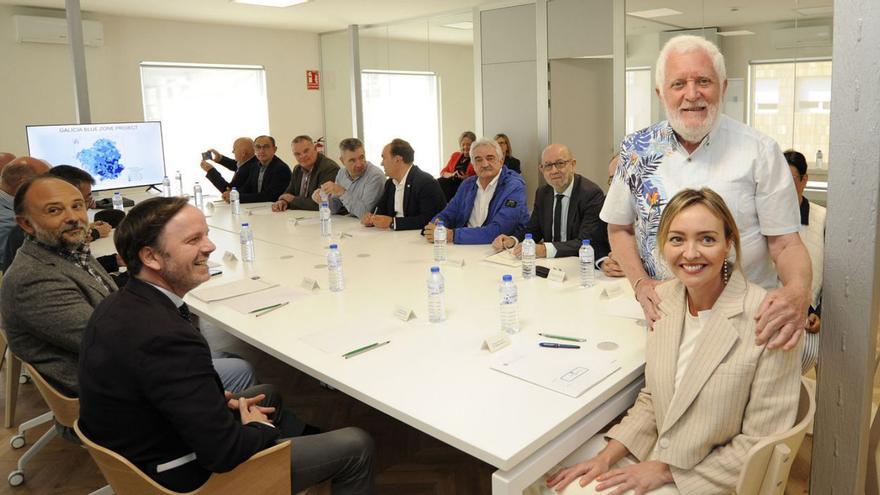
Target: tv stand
[{"x": 153, "y": 187}]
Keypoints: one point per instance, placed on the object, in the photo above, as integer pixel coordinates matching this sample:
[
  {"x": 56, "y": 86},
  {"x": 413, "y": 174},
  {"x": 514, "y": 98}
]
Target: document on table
[
  {"x": 504, "y": 257},
  {"x": 341, "y": 340},
  {"x": 232, "y": 289},
  {"x": 249, "y": 303},
  {"x": 567, "y": 371},
  {"x": 623, "y": 306}
]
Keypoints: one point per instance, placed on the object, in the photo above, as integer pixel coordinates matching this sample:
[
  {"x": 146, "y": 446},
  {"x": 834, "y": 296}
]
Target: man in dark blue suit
[{"x": 147, "y": 387}]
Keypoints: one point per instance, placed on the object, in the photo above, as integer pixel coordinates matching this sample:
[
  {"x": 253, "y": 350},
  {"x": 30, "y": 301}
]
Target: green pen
[
  {"x": 364, "y": 349},
  {"x": 267, "y": 308},
  {"x": 562, "y": 337}
]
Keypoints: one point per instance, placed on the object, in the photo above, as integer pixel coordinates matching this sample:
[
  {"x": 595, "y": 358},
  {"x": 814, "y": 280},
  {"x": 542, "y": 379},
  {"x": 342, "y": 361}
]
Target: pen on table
[
  {"x": 268, "y": 309},
  {"x": 562, "y": 337},
  {"x": 364, "y": 349},
  {"x": 554, "y": 345}
]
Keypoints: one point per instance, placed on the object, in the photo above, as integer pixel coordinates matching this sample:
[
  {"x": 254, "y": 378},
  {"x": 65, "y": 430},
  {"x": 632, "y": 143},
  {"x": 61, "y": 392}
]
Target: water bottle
[
  {"x": 166, "y": 187},
  {"x": 234, "y": 199},
  {"x": 117, "y": 202},
  {"x": 325, "y": 219},
  {"x": 334, "y": 265},
  {"x": 197, "y": 195},
  {"x": 247, "y": 242},
  {"x": 818, "y": 158},
  {"x": 178, "y": 178},
  {"x": 436, "y": 286},
  {"x": 588, "y": 264},
  {"x": 528, "y": 257},
  {"x": 509, "y": 314},
  {"x": 440, "y": 242}
]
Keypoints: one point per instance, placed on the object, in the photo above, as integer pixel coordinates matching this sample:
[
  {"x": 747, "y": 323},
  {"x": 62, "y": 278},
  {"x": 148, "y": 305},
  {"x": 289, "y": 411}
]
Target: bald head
[
  {"x": 19, "y": 171},
  {"x": 555, "y": 152},
  {"x": 243, "y": 149},
  {"x": 5, "y": 158}
]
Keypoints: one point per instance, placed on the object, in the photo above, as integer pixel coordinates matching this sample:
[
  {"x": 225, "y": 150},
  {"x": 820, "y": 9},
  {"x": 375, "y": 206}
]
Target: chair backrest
[
  {"x": 768, "y": 462},
  {"x": 65, "y": 409},
  {"x": 872, "y": 480},
  {"x": 267, "y": 472}
]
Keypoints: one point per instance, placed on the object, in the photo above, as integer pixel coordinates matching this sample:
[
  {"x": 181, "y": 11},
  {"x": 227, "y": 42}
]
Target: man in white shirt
[
  {"x": 486, "y": 205},
  {"x": 698, "y": 147}
]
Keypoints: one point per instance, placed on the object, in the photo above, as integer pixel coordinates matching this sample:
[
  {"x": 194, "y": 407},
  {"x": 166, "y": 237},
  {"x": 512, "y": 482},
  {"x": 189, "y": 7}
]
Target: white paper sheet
[
  {"x": 505, "y": 258},
  {"x": 264, "y": 298},
  {"x": 567, "y": 371},
  {"x": 232, "y": 289},
  {"x": 623, "y": 306},
  {"x": 340, "y": 341}
]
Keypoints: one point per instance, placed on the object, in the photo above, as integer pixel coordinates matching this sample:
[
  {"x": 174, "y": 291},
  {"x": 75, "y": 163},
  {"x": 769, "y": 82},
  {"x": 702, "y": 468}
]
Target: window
[
  {"x": 201, "y": 107},
  {"x": 638, "y": 98},
  {"x": 402, "y": 105},
  {"x": 791, "y": 102}
]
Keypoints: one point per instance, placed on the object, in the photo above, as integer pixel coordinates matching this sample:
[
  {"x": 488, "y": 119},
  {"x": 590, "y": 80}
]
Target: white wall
[{"x": 37, "y": 86}]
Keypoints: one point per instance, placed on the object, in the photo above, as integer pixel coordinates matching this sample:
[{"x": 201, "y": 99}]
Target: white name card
[
  {"x": 556, "y": 275},
  {"x": 228, "y": 256},
  {"x": 404, "y": 313},
  {"x": 309, "y": 284},
  {"x": 496, "y": 341},
  {"x": 613, "y": 289},
  {"x": 455, "y": 262}
]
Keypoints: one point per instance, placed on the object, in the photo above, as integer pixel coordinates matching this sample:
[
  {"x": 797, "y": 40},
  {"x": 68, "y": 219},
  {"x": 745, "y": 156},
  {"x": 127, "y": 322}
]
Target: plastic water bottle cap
[
  {"x": 244, "y": 225},
  {"x": 233, "y": 189},
  {"x": 439, "y": 223},
  {"x": 507, "y": 278},
  {"x": 324, "y": 203},
  {"x": 116, "y": 193},
  {"x": 528, "y": 236},
  {"x": 435, "y": 269},
  {"x": 333, "y": 246},
  {"x": 586, "y": 242}
]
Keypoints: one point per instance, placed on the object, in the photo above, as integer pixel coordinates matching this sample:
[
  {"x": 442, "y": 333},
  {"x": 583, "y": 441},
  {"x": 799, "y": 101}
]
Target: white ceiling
[
  {"x": 331, "y": 15},
  {"x": 315, "y": 16}
]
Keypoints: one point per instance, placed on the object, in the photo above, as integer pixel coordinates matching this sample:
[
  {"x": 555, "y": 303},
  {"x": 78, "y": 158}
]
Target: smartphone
[{"x": 206, "y": 156}]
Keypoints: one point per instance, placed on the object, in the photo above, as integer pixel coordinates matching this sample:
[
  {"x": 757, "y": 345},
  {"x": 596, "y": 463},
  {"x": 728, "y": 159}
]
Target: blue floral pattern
[
  {"x": 102, "y": 159},
  {"x": 640, "y": 155}
]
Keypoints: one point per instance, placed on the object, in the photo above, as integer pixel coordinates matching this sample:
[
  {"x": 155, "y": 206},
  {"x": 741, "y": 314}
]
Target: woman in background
[
  {"x": 459, "y": 166},
  {"x": 509, "y": 161},
  {"x": 710, "y": 393}
]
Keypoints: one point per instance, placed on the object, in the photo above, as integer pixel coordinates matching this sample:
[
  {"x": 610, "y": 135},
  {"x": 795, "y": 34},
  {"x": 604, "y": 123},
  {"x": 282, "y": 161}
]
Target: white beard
[{"x": 693, "y": 134}]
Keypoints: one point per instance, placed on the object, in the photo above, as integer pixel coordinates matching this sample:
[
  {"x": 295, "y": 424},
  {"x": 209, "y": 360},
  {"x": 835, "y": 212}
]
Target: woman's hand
[
  {"x": 640, "y": 478},
  {"x": 446, "y": 175},
  {"x": 587, "y": 471}
]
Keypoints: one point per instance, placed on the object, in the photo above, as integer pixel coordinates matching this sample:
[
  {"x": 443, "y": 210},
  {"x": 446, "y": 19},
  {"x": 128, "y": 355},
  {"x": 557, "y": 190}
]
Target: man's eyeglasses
[{"x": 558, "y": 164}]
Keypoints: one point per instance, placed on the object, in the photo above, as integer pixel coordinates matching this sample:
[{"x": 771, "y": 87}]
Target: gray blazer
[
  {"x": 46, "y": 302},
  {"x": 733, "y": 392}
]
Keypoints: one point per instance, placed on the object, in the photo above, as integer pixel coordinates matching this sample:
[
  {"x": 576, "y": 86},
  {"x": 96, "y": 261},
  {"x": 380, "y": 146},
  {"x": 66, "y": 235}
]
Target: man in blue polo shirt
[{"x": 489, "y": 204}]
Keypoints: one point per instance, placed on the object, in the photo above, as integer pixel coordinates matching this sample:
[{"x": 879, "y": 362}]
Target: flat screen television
[{"x": 117, "y": 154}]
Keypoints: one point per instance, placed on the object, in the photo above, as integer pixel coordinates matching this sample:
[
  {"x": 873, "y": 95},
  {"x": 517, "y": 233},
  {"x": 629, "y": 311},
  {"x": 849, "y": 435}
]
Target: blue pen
[{"x": 554, "y": 345}]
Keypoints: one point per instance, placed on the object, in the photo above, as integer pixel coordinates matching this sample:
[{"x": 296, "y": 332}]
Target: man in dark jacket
[
  {"x": 263, "y": 178},
  {"x": 147, "y": 387},
  {"x": 242, "y": 149},
  {"x": 314, "y": 169}
]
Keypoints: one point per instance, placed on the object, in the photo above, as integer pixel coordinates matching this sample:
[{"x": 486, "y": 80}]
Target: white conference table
[{"x": 434, "y": 377}]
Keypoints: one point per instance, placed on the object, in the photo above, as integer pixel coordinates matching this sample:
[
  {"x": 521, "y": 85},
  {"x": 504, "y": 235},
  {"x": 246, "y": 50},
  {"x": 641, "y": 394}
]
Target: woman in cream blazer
[{"x": 710, "y": 392}]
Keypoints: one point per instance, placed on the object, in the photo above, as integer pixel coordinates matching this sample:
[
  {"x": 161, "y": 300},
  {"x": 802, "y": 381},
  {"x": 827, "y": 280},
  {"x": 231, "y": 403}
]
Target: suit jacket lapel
[
  {"x": 570, "y": 222},
  {"x": 547, "y": 221},
  {"x": 69, "y": 268},
  {"x": 715, "y": 341},
  {"x": 407, "y": 187},
  {"x": 667, "y": 335}
]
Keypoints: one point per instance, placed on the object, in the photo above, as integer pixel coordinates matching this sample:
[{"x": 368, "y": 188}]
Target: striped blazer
[{"x": 732, "y": 394}]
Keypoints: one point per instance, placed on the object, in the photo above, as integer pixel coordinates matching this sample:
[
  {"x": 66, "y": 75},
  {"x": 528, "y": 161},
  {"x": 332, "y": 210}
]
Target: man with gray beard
[
  {"x": 54, "y": 284},
  {"x": 698, "y": 147}
]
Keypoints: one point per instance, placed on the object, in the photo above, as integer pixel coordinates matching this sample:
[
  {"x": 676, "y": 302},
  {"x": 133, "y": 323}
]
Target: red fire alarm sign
[{"x": 313, "y": 79}]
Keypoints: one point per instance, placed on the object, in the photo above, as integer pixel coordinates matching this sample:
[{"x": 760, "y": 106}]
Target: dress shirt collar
[
  {"x": 402, "y": 179},
  {"x": 705, "y": 142},
  {"x": 175, "y": 299}
]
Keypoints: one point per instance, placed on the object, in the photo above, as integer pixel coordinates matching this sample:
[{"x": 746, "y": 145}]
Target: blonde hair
[
  {"x": 506, "y": 140},
  {"x": 713, "y": 202}
]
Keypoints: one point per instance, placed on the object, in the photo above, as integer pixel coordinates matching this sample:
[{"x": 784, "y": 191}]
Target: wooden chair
[
  {"x": 768, "y": 462},
  {"x": 267, "y": 472},
  {"x": 13, "y": 379}
]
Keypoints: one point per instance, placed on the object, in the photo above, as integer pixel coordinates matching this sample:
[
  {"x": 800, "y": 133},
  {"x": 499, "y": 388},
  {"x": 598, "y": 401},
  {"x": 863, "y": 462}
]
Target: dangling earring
[{"x": 725, "y": 272}]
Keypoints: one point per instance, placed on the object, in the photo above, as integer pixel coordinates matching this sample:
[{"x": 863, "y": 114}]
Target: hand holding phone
[{"x": 207, "y": 156}]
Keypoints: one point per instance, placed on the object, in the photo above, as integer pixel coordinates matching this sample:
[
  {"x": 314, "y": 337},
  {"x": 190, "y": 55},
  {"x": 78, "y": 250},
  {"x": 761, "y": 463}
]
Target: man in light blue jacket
[{"x": 489, "y": 204}]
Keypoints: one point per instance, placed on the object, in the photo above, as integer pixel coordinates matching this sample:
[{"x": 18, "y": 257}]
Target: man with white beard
[{"x": 697, "y": 147}]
